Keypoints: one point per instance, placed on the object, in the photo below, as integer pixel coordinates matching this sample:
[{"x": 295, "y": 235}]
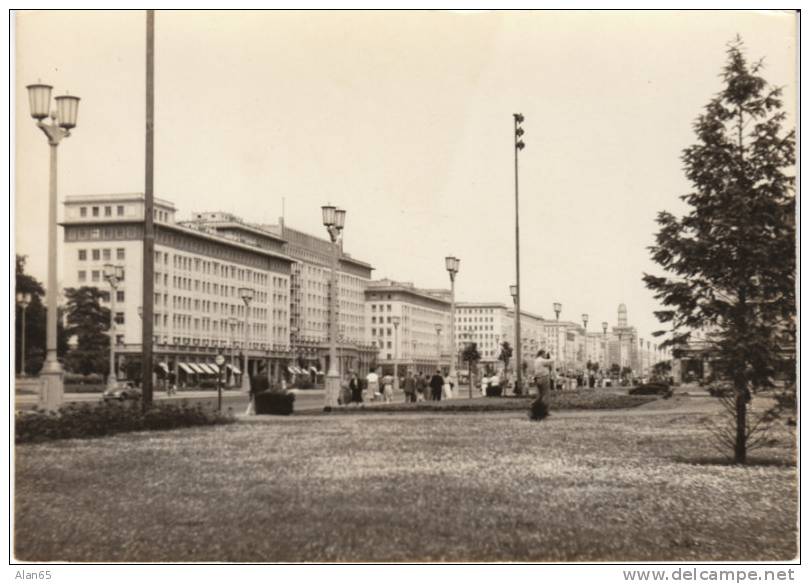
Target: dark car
[{"x": 122, "y": 392}]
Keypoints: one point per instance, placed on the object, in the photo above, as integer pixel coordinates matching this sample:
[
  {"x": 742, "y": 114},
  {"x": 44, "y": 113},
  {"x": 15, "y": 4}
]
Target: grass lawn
[{"x": 400, "y": 487}]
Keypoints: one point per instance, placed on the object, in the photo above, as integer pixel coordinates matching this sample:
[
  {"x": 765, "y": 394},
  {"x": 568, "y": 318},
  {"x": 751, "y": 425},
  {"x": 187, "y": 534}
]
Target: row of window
[
  {"x": 95, "y": 276},
  {"x": 96, "y": 210},
  {"x": 102, "y": 254}
]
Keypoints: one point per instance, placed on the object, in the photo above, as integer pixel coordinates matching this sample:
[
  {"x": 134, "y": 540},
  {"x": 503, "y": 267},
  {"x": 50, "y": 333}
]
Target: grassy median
[{"x": 435, "y": 487}]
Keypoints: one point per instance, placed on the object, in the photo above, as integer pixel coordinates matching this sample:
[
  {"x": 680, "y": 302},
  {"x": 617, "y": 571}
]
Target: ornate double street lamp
[
  {"x": 247, "y": 295},
  {"x": 62, "y": 121},
  {"x": 452, "y": 263},
  {"x": 23, "y": 299},
  {"x": 557, "y": 311},
  {"x": 395, "y": 320},
  {"x": 113, "y": 275},
  {"x": 333, "y": 219}
]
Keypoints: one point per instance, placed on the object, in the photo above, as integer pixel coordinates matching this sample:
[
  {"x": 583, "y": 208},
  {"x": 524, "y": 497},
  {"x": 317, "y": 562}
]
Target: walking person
[
  {"x": 388, "y": 389},
  {"x": 436, "y": 384},
  {"x": 421, "y": 387},
  {"x": 372, "y": 384},
  {"x": 356, "y": 390},
  {"x": 409, "y": 387},
  {"x": 543, "y": 366}
]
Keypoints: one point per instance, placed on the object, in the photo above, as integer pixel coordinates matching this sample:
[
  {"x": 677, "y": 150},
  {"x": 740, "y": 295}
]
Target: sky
[{"x": 405, "y": 120}]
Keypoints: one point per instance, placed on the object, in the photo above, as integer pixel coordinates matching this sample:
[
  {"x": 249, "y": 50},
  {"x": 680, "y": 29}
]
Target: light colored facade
[
  {"x": 198, "y": 272},
  {"x": 414, "y": 344},
  {"x": 488, "y": 324},
  {"x": 307, "y": 315}
]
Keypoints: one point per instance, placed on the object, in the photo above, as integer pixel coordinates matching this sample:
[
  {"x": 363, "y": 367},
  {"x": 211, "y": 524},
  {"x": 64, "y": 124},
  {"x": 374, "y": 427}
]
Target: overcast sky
[{"x": 404, "y": 119}]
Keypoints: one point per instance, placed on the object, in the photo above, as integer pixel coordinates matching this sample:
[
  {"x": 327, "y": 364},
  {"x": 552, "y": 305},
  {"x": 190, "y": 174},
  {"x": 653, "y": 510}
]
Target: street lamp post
[
  {"x": 333, "y": 219},
  {"x": 232, "y": 322},
  {"x": 585, "y": 337},
  {"x": 519, "y": 145},
  {"x": 23, "y": 299},
  {"x": 247, "y": 295},
  {"x": 63, "y": 120},
  {"x": 452, "y": 264},
  {"x": 513, "y": 291},
  {"x": 438, "y": 346},
  {"x": 113, "y": 275},
  {"x": 604, "y": 344},
  {"x": 557, "y": 311},
  {"x": 395, "y": 321}
]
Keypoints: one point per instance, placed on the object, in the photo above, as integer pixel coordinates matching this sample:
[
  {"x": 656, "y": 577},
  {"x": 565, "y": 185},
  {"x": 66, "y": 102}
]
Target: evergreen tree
[
  {"x": 505, "y": 354},
  {"x": 89, "y": 322},
  {"x": 731, "y": 258}
]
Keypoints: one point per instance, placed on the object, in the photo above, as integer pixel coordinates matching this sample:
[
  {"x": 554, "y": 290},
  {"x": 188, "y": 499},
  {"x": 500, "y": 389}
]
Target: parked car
[{"x": 122, "y": 392}]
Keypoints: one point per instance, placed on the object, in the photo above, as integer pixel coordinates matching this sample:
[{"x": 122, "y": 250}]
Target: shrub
[
  {"x": 104, "y": 419},
  {"x": 79, "y": 379},
  {"x": 494, "y": 391},
  {"x": 654, "y": 388},
  {"x": 273, "y": 402},
  {"x": 718, "y": 389}
]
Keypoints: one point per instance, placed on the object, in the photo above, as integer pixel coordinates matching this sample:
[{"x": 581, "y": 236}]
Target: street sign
[{"x": 220, "y": 360}]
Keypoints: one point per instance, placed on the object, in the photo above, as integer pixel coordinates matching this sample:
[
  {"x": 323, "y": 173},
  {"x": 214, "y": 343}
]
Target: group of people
[{"x": 418, "y": 387}]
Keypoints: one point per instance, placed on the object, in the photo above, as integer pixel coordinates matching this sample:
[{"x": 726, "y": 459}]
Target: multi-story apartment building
[
  {"x": 307, "y": 316},
  {"x": 487, "y": 324},
  {"x": 198, "y": 309},
  {"x": 420, "y": 342}
]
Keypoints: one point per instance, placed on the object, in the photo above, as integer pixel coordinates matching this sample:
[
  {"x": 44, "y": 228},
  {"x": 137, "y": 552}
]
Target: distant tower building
[
  {"x": 623, "y": 348},
  {"x": 622, "y": 316}
]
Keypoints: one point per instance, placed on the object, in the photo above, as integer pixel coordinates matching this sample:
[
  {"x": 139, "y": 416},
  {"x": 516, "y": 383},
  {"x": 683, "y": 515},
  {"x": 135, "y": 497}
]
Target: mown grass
[{"x": 482, "y": 487}]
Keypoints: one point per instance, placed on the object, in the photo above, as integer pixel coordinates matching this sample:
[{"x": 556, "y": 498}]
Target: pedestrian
[
  {"x": 258, "y": 384},
  {"x": 372, "y": 384},
  {"x": 356, "y": 390},
  {"x": 495, "y": 385},
  {"x": 543, "y": 367},
  {"x": 421, "y": 387},
  {"x": 436, "y": 384},
  {"x": 388, "y": 388},
  {"x": 409, "y": 387}
]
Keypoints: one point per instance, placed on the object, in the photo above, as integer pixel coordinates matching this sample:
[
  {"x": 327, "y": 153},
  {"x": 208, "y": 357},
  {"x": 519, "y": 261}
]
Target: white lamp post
[
  {"x": 451, "y": 263},
  {"x": 232, "y": 322},
  {"x": 23, "y": 299},
  {"x": 247, "y": 295},
  {"x": 334, "y": 220},
  {"x": 585, "y": 326},
  {"x": 113, "y": 275},
  {"x": 63, "y": 120}
]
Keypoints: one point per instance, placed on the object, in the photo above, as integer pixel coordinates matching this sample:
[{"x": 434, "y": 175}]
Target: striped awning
[
  {"x": 234, "y": 368},
  {"x": 292, "y": 370},
  {"x": 196, "y": 368},
  {"x": 163, "y": 366},
  {"x": 213, "y": 367},
  {"x": 206, "y": 368},
  {"x": 186, "y": 368}
]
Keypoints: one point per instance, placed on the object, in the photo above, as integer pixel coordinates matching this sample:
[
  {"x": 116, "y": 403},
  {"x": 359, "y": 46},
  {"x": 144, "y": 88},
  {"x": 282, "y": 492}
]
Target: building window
[
  {"x": 120, "y": 210},
  {"x": 119, "y": 253},
  {"x": 82, "y": 255},
  {"x": 105, "y": 254},
  {"x": 95, "y": 211},
  {"x": 82, "y": 276},
  {"x": 94, "y": 276},
  {"x": 96, "y": 254},
  {"x": 119, "y": 295},
  {"x": 108, "y": 211},
  {"x": 83, "y": 211},
  {"x": 119, "y": 318}
]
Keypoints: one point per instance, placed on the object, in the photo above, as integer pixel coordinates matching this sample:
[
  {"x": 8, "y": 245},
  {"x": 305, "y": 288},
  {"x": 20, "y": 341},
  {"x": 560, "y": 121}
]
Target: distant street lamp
[
  {"x": 604, "y": 344},
  {"x": 438, "y": 346},
  {"x": 63, "y": 120},
  {"x": 246, "y": 294},
  {"x": 232, "y": 322},
  {"x": 334, "y": 220},
  {"x": 451, "y": 263},
  {"x": 113, "y": 275},
  {"x": 395, "y": 321},
  {"x": 519, "y": 145},
  {"x": 557, "y": 311},
  {"x": 585, "y": 326},
  {"x": 23, "y": 299}
]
